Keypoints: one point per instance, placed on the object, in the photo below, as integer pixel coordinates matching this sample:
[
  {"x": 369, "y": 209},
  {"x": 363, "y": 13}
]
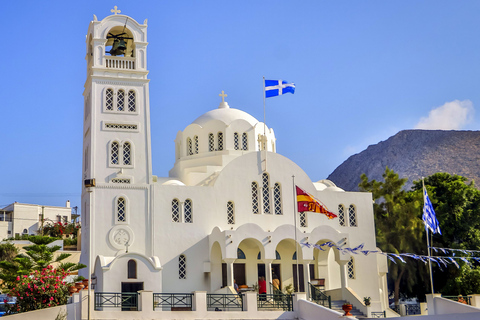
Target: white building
[
  {"x": 227, "y": 209},
  {"x": 18, "y": 219}
]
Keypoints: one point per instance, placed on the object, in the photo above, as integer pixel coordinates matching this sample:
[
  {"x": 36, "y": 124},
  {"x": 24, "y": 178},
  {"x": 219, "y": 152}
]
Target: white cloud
[{"x": 452, "y": 115}]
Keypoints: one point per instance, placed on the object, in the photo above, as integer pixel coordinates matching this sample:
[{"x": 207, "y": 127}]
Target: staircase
[{"x": 337, "y": 306}]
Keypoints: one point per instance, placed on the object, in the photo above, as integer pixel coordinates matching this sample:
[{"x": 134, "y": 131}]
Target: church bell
[{"x": 118, "y": 47}]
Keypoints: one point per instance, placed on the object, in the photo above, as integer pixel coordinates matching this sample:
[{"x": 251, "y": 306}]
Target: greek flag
[
  {"x": 275, "y": 88},
  {"x": 429, "y": 217}
]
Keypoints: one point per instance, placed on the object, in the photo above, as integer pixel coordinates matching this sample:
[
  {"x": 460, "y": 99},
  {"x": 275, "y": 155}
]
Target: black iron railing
[
  {"x": 128, "y": 301},
  {"x": 459, "y": 298},
  {"x": 411, "y": 309},
  {"x": 225, "y": 302},
  {"x": 274, "y": 301},
  {"x": 319, "y": 297},
  {"x": 379, "y": 314},
  {"x": 173, "y": 301}
]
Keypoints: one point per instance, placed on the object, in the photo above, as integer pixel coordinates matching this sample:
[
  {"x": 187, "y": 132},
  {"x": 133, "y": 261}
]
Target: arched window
[
  {"x": 244, "y": 141},
  {"x": 121, "y": 210},
  {"x": 230, "y": 213},
  {"x": 211, "y": 142},
  {"x": 182, "y": 267},
  {"x": 131, "y": 101},
  {"x": 351, "y": 269},
  {"x": 220, "y": 141},
  {"x": 132, "y": 269},
  {"x": 236, "y": 142},
  {"x": 189, "y": 147},
  {"x": 175, "y": 210},
  {"x": 341, "y": 215},
  {"x": 266, "y": 193},
  {"x": 114, "y": 152},
  {"x": 120, "y": 100},
  {"x": 195, "y": 143},
  {"x": 240, "y": 254},
  {"x": 127, "y": 156},
  {"x": 109, "y": 100},
  {"x": 255, "y": 197},
  {"x": 25, "y": 231},
  {"x": 352, "y": 216},
  {"x": 277, "y": 198},
  {"x": 188, "y": 211}
]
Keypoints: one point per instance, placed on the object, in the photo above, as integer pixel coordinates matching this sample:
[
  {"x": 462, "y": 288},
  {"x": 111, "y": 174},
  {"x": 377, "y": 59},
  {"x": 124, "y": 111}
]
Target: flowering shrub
[
  {"x": 40, "y": 289},
  {"x": 58, "y": 229}
]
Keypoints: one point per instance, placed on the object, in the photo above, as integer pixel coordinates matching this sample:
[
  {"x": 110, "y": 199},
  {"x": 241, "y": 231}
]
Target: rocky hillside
[{"x": 413, "y": 154}]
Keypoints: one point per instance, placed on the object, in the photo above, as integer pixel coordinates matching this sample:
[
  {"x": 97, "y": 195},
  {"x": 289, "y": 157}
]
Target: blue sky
[{"x": 363, "y": 70}]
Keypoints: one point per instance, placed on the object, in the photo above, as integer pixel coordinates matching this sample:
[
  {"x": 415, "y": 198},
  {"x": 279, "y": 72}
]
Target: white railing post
[
  {"x": 145, "y": 300},
  {"x": 199, "y": 302}
]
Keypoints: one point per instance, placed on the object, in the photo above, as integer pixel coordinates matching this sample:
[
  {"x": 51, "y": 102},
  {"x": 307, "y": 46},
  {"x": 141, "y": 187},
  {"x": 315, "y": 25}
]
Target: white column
[
  {"x": 306, "y": 274},
  {"x": 343, "y": 274},
  {"x": 268, "y": 274},
  {"x": 229, "y": 263}
]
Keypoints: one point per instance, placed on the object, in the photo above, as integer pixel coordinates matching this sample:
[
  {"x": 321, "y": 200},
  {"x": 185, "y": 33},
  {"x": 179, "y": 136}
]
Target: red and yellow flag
[{"x": 306, "y": 202}]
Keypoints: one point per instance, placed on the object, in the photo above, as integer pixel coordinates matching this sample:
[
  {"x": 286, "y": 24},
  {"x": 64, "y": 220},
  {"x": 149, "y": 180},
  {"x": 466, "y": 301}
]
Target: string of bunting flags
[{"x": 441, "y": 261}]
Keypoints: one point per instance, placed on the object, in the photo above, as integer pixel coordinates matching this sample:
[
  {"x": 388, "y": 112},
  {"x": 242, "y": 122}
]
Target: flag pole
[
  {"x": 264, "y": 139},
  {"x": 428, "y": 241},
  {"x": 295, "y": 226}
]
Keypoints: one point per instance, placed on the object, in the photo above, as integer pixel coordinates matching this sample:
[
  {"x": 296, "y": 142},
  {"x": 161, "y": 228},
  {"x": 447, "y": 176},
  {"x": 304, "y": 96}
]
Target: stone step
[{"x": 337, "y": 306}]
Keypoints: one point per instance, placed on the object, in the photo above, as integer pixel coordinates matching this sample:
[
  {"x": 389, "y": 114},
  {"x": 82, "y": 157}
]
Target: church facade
[{"x": 227, "y": 211}]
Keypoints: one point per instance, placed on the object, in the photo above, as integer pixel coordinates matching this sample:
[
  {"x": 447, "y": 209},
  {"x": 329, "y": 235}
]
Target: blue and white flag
[
  {"x": 275, "y": 88},
  {"x": 429, "y": 217}
]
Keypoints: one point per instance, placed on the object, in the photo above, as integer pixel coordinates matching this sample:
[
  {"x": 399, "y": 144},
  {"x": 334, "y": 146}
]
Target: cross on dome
[
  {"x": 223, "y": 95},
  {"x": 115, "y": 10}
]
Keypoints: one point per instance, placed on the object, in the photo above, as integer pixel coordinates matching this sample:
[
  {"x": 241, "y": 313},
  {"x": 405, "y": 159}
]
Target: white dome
[{"x": 225, "y": 114}]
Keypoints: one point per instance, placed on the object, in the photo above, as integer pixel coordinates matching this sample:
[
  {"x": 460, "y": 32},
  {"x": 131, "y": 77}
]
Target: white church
[{"x": 227, "y": 211}]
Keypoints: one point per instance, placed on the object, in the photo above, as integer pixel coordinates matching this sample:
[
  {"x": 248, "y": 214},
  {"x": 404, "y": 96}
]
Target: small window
[
  {"x": 341, "y": 215},
  {"x": 120, "y": 100},
  {"x": 244, "y": 141},
  {"x": 109, "y": 100},
  {"x": 351, "y": 269},
  {"x": 303, "y": 219},
  {"x": 230, "y": 212},
  {"x": 121, "y": 210},
  {"x": 132, "y": 269},
  {"x": 127, "y": 155},
  {"x": 188, "y": 209},
  {"x": 59, "y": 218},
  {"x": 266, "y": 193},
  {"x": 114, "y": 152},
  {"x": 211, "y": 142},
  {"x": 195, "y": 142},
  {"x": 182, "y": 267},
  {"x": 277, "y": 198},
  {"x": 25, "y": 231},
  {"x": 220, "y": 141},
  {"x": 65, "y": 219},
  {"x": 189, "y": 147},
  {"x": 236, "y": 142},
  {"x": 352, "y": 216},
  {"x": 131, "y": 101},
  {"x": 255, "y": 197},
  {"x": 175, "y": 210}
]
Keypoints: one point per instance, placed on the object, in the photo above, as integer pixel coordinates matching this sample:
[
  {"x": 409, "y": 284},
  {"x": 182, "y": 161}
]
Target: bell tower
[{"x": 117, "y": 169}]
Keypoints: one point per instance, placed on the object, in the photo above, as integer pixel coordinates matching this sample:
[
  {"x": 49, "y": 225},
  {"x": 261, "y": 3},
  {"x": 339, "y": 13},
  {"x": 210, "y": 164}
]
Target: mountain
[{"x": 414, "y": 154}]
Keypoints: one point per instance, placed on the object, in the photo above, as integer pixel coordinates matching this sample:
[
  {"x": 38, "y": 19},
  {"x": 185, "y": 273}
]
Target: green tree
[
  {"x": 399, "y": 228},
  {"x": 457, "y": 206}
]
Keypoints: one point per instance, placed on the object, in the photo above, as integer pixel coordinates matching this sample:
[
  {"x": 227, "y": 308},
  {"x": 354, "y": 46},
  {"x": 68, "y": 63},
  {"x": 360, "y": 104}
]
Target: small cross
[
  {"x": 223, "y": 95},
  {"x": 115, "y": 10}
]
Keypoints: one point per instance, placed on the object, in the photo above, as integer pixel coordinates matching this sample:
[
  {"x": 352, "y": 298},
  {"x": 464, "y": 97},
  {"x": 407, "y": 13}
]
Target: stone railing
[{"x": 112, "y": 62}]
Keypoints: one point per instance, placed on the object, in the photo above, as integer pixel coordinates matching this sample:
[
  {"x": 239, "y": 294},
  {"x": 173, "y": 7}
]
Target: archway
[{"x": 326, "y": 267}]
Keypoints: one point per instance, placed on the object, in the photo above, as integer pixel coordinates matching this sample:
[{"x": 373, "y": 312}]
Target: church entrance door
[
  {"x": 300, "y": 278},
  {"x": 129, "y": 300}
]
